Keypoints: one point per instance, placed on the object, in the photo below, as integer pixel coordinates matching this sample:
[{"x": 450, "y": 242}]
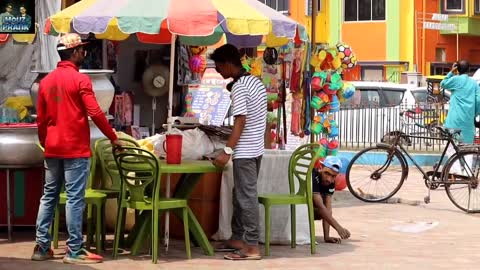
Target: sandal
[{"x": 238, "y": 255}]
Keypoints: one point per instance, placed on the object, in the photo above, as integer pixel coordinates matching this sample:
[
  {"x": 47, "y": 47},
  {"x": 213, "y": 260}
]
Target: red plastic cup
[{"x": 173, "y": 148}]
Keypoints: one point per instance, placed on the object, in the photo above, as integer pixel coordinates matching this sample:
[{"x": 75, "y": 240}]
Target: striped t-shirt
[{"x": 249, "y": 98}]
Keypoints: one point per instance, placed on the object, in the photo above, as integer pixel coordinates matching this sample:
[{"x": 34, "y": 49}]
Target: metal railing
[{"x": 362, "y": 127}]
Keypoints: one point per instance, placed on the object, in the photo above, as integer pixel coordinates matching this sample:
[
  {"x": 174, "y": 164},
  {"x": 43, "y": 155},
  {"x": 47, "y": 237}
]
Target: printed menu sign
[{"x": 210, "y": 104}]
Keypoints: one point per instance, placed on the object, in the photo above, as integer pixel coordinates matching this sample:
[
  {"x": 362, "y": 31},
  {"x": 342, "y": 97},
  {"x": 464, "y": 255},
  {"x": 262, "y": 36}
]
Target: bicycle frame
[{"x": 397, "y": 145}]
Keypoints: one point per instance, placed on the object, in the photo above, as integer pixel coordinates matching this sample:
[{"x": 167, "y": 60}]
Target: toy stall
[
  {"x": 301, "y": 109},
  {"x": 328, "y": 92}
]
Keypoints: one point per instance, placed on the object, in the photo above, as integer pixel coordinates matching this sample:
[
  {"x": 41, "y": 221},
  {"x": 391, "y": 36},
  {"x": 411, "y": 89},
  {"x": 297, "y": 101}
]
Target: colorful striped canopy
[{"x": 199, "y": 22}]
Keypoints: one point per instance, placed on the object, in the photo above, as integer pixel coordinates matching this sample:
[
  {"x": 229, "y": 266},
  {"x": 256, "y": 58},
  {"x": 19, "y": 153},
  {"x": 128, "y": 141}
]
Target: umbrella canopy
[{"x": 199, "y": 22}]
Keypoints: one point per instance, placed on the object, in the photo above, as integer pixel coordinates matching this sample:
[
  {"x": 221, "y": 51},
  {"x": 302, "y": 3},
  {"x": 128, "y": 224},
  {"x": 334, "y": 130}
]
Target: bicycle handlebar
[
  {"x": 420, "y": 125},
  {"x": 407, "y": 111}
]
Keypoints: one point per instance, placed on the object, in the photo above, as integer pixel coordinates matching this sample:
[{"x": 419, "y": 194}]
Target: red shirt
[{"x": 65, "y": 100}]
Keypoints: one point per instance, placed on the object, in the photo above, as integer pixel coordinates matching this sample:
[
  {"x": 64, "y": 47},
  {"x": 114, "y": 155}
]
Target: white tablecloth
[{"x": 273, "y": 178}]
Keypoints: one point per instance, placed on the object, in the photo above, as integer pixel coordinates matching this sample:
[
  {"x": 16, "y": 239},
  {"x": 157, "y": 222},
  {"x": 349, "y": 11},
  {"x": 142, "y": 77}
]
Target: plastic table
[{"x": 191, "y": 171}]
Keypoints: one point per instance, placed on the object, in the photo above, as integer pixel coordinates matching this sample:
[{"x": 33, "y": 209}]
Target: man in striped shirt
[{"x": 246, "y": 147}]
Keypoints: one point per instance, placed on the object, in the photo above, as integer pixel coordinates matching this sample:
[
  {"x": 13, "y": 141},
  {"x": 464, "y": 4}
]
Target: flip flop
[{"x": 238, "y": 255}]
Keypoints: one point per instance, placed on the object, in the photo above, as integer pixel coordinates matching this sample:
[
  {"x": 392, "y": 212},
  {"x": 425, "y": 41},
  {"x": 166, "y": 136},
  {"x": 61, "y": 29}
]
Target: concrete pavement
[{"x": 453, "y": 244}]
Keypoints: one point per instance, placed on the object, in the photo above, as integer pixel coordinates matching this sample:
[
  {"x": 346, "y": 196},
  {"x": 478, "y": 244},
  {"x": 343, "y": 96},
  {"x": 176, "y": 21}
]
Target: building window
[
  {"x": 364, "y": 10},
  {"x": 308, "y": 7},
  {"x": 440, "y": 55},
  {"x": 453, "y": 6},
  {"x": 477, "y": 7},
  {"x": 278, "y": 5}
]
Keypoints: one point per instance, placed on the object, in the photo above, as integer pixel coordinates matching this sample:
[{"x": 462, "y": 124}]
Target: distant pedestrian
[{"x": 461, "y": 112}]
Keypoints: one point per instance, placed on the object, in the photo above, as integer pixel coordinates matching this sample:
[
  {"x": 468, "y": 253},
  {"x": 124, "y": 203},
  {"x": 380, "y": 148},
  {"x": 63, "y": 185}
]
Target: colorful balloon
[{"x": 197, "y": 64}]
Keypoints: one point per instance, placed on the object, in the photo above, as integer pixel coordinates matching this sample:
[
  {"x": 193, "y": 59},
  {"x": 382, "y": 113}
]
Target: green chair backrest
[
  {"x": 302, "y": 162},
  {"x": 138, "y": 169},
  {"x": 109, "y": 170}
]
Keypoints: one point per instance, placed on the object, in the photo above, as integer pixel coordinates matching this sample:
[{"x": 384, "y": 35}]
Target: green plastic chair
[
  {"x": 92, "y": 198},
  {"x": 300, "y": 169},
  {"x": 111, "y": 180},
  {"x": 139, "y": 170},
  {"x": 110, "y": 176}
]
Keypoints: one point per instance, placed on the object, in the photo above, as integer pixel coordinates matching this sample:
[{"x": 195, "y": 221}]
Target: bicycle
[{"x": 374, "y": 164}]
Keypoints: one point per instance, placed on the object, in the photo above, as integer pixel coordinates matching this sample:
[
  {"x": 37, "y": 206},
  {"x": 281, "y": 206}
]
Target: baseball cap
[
  {"x": 69, "y": 41},
  {"x": 333, "y": 163}
]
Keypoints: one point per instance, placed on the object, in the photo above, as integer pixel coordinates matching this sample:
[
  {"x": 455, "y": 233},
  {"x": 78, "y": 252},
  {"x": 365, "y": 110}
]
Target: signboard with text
[
  {"x": 17, "y": 16},
  {"x": 210, "y": 104}
]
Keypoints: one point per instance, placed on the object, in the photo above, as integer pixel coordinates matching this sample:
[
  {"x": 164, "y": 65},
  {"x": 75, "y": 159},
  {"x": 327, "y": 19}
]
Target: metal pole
[
  {"x": 104, "y": 54},
  {"x": 458, "y": 22},
  {"x": 169, "y": 127},
  {"x": 314, "y": 47},
  {"x": 424, "y": 62},
  {"x": 9, "y": 210},
  {"x": 314, "y": 18},
  {"x": 166, "y": 236},
  {"x": 170, "y": 82},
  {"x": 416, "y": 41}
]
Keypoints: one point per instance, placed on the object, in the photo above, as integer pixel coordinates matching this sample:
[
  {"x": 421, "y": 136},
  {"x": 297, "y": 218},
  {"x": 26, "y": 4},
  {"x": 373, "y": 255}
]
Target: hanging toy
[
  {"x": 336, "y": 82},
  {"x": 337, "y": 63},
  {"x": 256, "y": 67},
  {"x": 323, "y": 150},
  {"x": 272, "y": 120},
  {"x": 197, "y": 64},
  {"x": 316, "y": 83},
  {"x": 326, "y": 64},
  {"x": 348, "y": 91},
  {"x": 333, "y": 147},
  {"x": 198, "y": 50},
  {"x": 334, "y": 104},
  {"x": 188, "y": 106},
  {"x": 316, "y": 127},
  {"x": 347, "y": 56},
  {"x": 272, "y": 101},
  {"x": 270, "y": 56},
  {"x": 333, "y": 130},
  {"x": 352, "y": 62},
  {"x": 273, "y": 136},
  {"x": 295, "y": 127},
  {"x": 246, "y": 63},
  {"x": 319, "y": 100},
  {"x": 318, "y": 80}
]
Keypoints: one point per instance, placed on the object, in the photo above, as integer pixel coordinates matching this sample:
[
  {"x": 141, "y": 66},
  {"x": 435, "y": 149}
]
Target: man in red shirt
[{"x": 65, "y": 101}]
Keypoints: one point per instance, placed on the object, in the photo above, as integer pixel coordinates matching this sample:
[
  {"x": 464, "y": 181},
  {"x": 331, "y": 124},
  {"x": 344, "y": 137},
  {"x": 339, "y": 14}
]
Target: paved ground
[{"x": 453, "y": 244}]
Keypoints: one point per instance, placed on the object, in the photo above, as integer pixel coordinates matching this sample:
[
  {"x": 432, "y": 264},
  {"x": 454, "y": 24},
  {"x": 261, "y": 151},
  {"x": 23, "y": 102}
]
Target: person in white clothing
[{"x": 246, "y": 147}]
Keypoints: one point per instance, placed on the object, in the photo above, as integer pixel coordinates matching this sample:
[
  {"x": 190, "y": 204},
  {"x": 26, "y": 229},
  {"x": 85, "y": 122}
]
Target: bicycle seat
[{"x": 449, "y": 131}]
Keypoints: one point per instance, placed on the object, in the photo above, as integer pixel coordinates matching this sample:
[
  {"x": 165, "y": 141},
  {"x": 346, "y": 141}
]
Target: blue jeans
[{"x": 74, "y": 174}]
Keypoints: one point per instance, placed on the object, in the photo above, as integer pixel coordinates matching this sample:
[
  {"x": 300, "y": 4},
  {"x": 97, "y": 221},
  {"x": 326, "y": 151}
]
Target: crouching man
[{"x": 323, "y": 186}]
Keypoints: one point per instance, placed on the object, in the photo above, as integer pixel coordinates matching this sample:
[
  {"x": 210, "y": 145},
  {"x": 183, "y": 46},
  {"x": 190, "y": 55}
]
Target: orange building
[
  {"x": 441, "y": 46},
  {"x": 374, "y": 30},
  {"x": 387, "y": 36}
]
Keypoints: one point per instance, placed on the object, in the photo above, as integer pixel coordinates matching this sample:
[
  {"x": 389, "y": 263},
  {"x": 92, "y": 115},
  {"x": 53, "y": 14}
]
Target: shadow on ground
[{"x": 24, "y": 264}]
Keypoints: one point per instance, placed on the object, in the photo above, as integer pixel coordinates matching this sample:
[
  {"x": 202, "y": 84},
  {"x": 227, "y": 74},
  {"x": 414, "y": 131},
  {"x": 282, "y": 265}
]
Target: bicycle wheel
[
  {"x": 375, "y": 174},
  {"x": 461, "y": 181}
]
